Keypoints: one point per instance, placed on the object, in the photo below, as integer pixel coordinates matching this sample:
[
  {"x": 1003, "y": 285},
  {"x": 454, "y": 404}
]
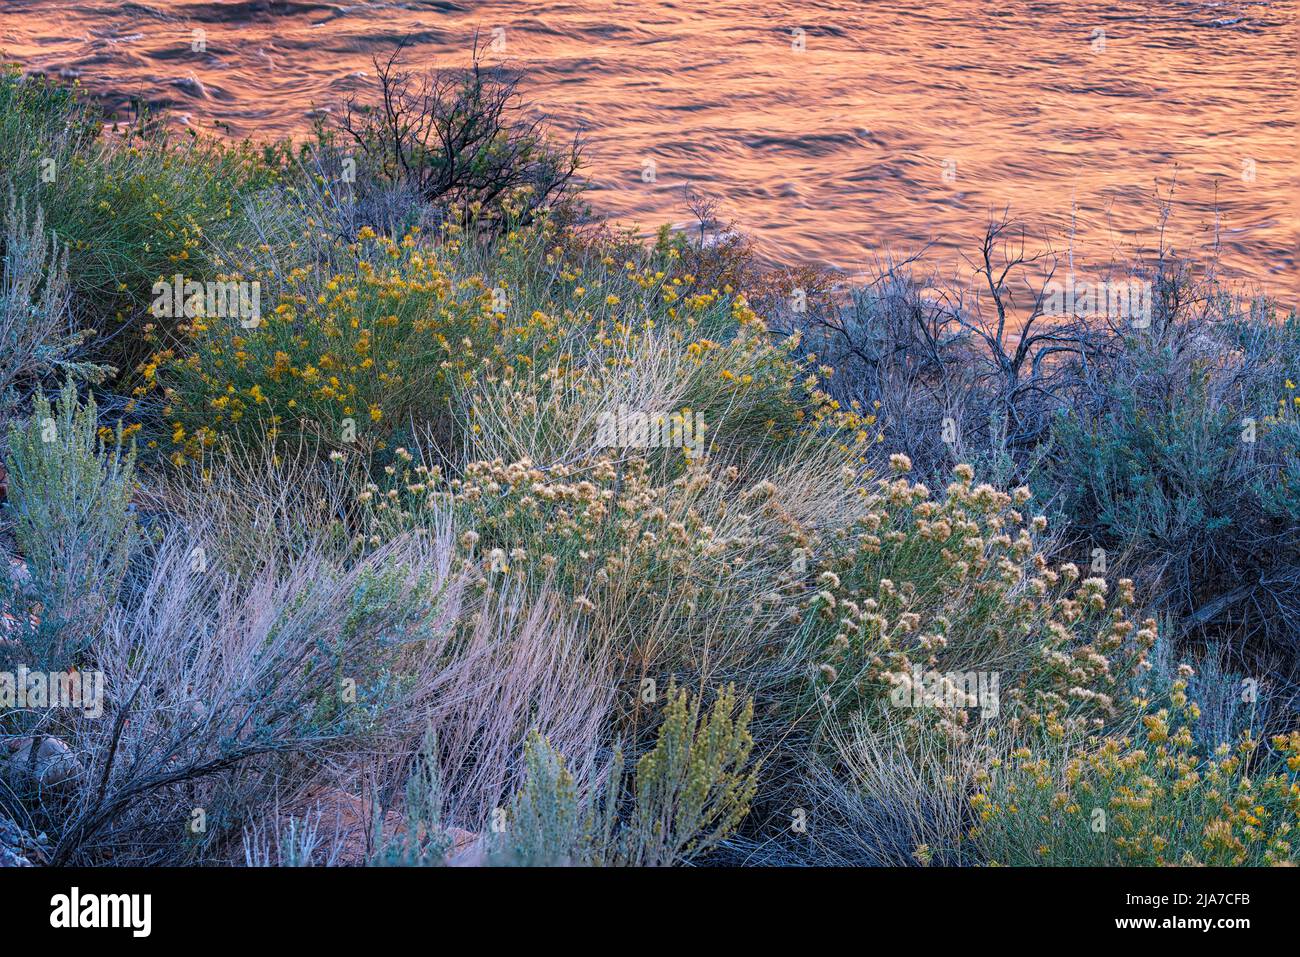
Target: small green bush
[
  {"x": 688, "y": 794},
  {"x": 70, "y": 501},
  {"x": 693, "y": 788},
  {"x": 422, "y": 841},
  {"x": 550, "y": 825}
]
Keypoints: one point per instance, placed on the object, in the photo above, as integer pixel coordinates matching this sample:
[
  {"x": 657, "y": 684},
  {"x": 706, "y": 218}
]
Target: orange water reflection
[{"x": 835, "y": 132}]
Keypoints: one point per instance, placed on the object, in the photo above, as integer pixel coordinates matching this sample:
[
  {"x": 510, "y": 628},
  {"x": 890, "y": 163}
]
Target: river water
[{"x": 834, "y": 132}]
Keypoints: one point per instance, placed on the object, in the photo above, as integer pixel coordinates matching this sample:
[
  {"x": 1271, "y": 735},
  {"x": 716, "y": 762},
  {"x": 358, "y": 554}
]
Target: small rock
[
  {"x": 43, "y": 761},
  {"x": 18, "y": 848},
  {"x": 466, "y": 848}
]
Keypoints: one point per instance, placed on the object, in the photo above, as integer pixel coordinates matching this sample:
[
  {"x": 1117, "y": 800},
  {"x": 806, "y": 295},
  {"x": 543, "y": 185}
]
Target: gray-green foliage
[
  {"x": 549, "y": 823},
  {"x": 688, "y": 794},
  {"x": 70, "y": 502},
  {"x": 422, "y": 841},
  {"x": 1189, "y": 460},
  {"x": 34, "y": 334}
]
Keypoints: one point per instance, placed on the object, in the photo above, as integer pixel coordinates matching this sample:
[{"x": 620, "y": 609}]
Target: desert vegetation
[{"x": 491, "y": 535}]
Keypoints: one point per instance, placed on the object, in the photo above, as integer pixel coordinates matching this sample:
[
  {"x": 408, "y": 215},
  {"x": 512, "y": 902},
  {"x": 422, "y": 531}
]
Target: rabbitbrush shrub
[
  {"x": 1149, "y": 798},
  {"x": 131, "y": 206},
  {"x": 939, "y": 588}
]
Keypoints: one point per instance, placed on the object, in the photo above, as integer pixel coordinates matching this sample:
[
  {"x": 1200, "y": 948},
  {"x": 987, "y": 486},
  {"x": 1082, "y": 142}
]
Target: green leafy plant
[
  {"x": 1187, "y": 474},
  {"x": 692, "y": 789}
]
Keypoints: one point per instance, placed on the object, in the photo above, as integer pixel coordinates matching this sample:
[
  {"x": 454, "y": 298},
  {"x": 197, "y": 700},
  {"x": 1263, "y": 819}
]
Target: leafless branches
[
  {"x": 460, "y": 138},
  {"x": 957, "y": 372}
]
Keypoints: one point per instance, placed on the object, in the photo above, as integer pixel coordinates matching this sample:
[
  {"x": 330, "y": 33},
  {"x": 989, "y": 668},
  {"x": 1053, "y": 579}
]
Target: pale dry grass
[
  {"x": 523, "y": 665},
  {"x": 892, "y": 802}
]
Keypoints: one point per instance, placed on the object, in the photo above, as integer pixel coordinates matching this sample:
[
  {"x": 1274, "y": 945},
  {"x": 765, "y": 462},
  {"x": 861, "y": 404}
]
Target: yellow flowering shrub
[
  {"x": 129, "y": 205},
  {"x": 424, "y": 332},
  {"x": 1144, "y": 799},
  {"x": 343, "y": 357},
  {"x": 636, "y": 331}
]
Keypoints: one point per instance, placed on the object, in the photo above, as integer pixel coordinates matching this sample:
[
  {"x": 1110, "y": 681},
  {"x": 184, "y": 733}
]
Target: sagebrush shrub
[
  {"x": 549, "y": 824},
  {"x": 35, "y": 334},
  {"x": 1187, "y": 471},
  {"x": 70, "y": 497},
  {"x": 233, "y": 693},
  {"x": 422, "y": 841}
]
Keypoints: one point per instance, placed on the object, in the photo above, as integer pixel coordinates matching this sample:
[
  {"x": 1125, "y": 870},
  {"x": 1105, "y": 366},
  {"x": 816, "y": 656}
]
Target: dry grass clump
[{"x": 696, "y": 573}]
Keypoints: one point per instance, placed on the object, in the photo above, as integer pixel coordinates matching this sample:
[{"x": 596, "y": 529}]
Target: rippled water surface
[{"x": 835, "y": 132}]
